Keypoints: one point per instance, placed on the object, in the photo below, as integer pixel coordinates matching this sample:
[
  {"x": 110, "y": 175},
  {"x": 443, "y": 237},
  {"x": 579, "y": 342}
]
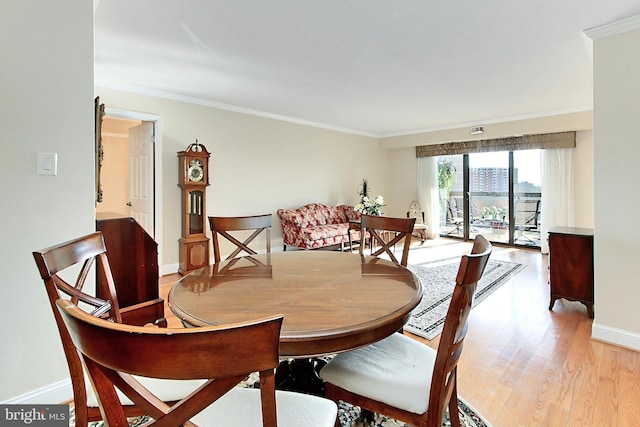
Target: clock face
[{"x": 195, "y": 171}]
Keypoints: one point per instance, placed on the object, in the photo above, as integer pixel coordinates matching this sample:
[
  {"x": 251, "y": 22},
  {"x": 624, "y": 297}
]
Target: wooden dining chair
[
  {"x": 394, "y": 229},
  {"x": 403, "y": 378},
  {"x": 222, "y": 226},
  {"x": 221, "y": 355},
  {"x": 63, "y": 261}
]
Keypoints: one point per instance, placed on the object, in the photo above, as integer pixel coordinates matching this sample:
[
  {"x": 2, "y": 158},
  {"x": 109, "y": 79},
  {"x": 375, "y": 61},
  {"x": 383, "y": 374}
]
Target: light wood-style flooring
[{"x": 523, "y": 365}]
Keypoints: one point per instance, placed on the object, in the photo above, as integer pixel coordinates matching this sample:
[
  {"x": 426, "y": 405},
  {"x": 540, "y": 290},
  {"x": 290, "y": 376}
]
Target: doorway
[
  {"x": 131, "y": 172},
  {"x": 114, "y": 174}
]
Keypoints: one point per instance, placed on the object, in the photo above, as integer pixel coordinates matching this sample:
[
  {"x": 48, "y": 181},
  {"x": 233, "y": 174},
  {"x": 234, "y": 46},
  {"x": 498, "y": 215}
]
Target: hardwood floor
[{"x": 524, "y": 365}]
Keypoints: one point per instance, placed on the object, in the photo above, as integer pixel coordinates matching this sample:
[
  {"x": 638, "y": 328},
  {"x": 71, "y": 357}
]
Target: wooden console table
[{"x": 571, "y": 265}]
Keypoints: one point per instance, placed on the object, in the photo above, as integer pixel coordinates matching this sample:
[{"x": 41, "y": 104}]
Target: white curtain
[
  {"x": 558, "y": 205},
  {"x": 428, "y": 194}
]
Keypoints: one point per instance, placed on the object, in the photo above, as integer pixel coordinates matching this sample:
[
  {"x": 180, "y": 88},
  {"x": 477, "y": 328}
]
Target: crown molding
[
  {"x": 613, "y": 28},
  {"x": 496, "y": 120},
  {"x": 226, "y": 107}
]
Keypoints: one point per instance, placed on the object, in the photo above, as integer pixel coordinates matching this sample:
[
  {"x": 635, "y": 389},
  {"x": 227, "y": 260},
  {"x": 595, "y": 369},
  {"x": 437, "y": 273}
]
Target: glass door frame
[{"x": 512, "y": 196}]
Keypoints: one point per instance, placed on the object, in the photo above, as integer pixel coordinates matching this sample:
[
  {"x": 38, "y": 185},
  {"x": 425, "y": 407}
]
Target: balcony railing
[{"x": 490, "y": 216}]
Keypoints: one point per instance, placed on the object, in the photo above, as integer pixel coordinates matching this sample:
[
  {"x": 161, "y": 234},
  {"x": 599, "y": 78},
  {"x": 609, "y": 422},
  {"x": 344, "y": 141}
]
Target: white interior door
[{"x": 141, "y": 183}]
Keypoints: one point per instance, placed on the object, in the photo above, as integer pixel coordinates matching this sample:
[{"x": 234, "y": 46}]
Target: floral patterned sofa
[{"x": 316, "y": 225}]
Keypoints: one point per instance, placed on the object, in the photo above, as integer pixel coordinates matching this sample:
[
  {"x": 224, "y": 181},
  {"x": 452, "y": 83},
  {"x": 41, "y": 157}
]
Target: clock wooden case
[{"x": 193, "y": 181}]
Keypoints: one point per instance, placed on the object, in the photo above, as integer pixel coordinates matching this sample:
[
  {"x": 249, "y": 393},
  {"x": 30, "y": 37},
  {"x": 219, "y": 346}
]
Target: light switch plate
[{"x": 47, "y": 163}]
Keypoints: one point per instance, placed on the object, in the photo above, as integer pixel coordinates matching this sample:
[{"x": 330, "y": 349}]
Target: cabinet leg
[
  {"x": 589, "y": 310},
  {"x": 553, "y": 301}
]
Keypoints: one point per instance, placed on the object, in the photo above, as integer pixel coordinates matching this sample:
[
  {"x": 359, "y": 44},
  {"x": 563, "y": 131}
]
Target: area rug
[
  {"x": 438, "y": 279},
  {"x": 349, "y": 417}
]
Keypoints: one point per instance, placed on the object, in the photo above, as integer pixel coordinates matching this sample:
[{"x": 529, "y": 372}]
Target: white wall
[
  {"x": 583, "y": 176},
  {"x": 617, "y": 175},
  {"x": 46, "y": 104},
  {"x": 403, "y": 172},
  {"x": 257, "y": 164}
]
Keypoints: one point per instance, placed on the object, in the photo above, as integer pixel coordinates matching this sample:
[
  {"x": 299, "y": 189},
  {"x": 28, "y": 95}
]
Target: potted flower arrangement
[{"x": 368, "y": 205}]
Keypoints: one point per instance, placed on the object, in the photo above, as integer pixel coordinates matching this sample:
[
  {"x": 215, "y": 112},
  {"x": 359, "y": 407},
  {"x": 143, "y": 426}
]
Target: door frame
[{"x": 157, "y": 168}]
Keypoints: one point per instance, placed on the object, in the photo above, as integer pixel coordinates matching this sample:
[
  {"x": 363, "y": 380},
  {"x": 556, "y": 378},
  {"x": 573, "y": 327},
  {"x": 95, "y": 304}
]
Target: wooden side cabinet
[
  {"x": 133, "y": 258},
  {"x": 571, "y": 265}
]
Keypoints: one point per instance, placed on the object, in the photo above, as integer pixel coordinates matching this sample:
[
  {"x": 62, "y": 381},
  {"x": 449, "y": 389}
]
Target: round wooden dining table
[{"x": 331, "y": 301}]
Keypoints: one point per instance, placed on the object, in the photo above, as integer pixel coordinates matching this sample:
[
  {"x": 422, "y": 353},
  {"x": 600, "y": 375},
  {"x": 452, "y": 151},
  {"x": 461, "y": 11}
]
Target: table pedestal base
[{"x": 301, "y": 375}]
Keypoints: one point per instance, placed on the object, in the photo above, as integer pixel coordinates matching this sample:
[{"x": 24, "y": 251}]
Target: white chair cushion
[
  {"x": 166, "y": 390},
  {"x": 241, "y": 407},
  {"x": 396, "y": 371}
]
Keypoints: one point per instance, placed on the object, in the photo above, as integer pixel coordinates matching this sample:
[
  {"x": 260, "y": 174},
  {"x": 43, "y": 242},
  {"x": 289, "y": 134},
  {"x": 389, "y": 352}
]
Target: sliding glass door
[
  {"x": 489, "y": 195},
  {"x": 527, "y": 197},
  {"x": 496, "y": 194}
]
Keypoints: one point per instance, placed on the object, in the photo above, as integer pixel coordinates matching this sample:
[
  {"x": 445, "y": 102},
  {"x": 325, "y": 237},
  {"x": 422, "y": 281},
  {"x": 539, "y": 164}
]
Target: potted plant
[{"x": 447, "y": 175}]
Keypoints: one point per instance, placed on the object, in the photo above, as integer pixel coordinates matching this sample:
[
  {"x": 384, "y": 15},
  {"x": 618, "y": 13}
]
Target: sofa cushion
[{"x": 319, "y": 232}]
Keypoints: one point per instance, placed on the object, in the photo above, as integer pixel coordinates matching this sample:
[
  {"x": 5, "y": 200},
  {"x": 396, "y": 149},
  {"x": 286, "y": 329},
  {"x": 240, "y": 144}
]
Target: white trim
[
  {"x": 125, "y": 114},
  {"x": 55, "y": 393},
  {"x": 613, "y": 28},
  {"x": 169, "y": 269},
  {"x": 226, "y": 107},
  {"x": 619, "y": 337}
]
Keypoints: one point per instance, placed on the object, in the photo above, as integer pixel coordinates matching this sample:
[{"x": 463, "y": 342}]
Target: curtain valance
[{"x": 525, "y": 142}]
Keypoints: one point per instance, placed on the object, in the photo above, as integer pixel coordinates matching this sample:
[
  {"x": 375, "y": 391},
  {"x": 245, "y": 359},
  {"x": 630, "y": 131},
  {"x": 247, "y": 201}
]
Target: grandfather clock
[{"x": 193, "y": 180}]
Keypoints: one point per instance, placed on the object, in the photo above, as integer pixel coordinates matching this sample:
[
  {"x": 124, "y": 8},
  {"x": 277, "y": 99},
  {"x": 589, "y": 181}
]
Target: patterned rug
[
  {"x": 438, "y": 279},
  {"x": 349, "y": 415},
  {"x": 349, "y": 418}
]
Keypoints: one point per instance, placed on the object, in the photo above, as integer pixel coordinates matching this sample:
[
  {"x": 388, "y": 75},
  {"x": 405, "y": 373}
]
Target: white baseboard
[
  {"x": 59, "y": 392},
  {"x": 619, "y": 337},
  {"x": 169, "y": 269}
]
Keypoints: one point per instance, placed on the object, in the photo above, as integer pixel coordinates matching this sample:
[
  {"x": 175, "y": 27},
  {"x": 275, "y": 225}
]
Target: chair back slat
[
  {"x": 228, "y": 353},
  {"x": 222, "y": 226},
  {"x": 400, "y": 230},
  {"x": 471, "y": 268},
  {"x": 62, "y": 259},
  {"x": 401, "y": 357},
  {"x": 415, "y": 211}
]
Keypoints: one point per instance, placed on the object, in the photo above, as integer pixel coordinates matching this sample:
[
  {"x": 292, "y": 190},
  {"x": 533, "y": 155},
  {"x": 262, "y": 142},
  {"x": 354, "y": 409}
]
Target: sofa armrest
[
  {"x": 291, "y": 216},
  {"x": 350, "y": 212}
]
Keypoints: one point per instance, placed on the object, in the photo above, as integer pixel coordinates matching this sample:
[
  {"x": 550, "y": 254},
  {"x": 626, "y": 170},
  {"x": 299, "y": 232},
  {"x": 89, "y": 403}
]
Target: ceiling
[{"x": 378, "y": 68}]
